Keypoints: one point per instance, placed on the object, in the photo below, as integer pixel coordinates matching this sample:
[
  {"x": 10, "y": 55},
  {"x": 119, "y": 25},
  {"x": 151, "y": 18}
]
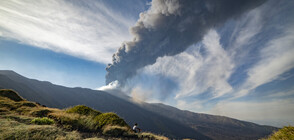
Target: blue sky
[
  {"x": 242, "y": 69},
  {"x": 52, "y": 46}
]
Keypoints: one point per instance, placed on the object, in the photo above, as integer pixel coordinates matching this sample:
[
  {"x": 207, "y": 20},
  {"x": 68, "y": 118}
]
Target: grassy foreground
[{"x": 22, "y": 119}]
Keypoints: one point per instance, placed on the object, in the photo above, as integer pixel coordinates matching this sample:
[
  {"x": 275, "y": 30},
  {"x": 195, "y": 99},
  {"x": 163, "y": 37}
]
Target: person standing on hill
[{"x": 136, "y": 129}]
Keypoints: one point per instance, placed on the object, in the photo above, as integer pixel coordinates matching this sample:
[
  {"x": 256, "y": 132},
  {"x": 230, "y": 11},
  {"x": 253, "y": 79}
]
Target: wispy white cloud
[
  {"x": 85, "y": 29},
  {"x": 196, "y": 105},
  {"x": 276, "y": 58},
  {"x": 280, "y": 94},
  {"x": 246, "y": 29}
]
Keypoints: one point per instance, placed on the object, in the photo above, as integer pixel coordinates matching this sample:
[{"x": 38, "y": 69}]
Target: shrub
[
  {"x": 42, "y": 121},
  {"x": 286, "y": 133},
  {"x": 109, "y": 119},
  {"x": 115, "y": 131},
  {"x": 11, "y": 94},
  {"x": 83, "y": 110}
]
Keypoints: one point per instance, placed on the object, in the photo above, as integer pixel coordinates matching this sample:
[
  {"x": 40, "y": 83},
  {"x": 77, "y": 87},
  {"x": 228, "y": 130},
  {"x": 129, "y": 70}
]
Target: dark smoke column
[{"x": 168, "y": 28}]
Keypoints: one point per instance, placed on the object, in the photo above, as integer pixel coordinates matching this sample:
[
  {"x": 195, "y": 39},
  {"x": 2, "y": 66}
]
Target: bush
[
  {"x": 42, "y": 121},
  {"x": 286, "y": 133},
  {"x": 109, "y": 119},
  {"x": 83, "y": 110},
  {"x": 115, "y": 131}
]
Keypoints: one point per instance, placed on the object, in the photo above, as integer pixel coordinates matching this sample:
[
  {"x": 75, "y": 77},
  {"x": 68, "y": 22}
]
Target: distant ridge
[{"x": 158, "y": 118}]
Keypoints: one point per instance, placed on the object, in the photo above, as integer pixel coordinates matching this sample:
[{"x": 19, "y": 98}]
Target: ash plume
[{"x": 168, "y": 28}]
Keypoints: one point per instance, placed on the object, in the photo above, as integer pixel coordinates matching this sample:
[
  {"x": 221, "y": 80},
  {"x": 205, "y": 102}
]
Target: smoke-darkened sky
[{"x": 232, "y": 58}]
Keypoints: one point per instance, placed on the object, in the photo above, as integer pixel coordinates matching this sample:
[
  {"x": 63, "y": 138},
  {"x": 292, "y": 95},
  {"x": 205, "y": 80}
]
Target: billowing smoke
[{"x": 169, "y": 27}]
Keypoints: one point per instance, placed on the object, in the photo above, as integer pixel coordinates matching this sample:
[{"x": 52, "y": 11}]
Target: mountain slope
[
  {"x": 156, "y": 118},
  {"x": 62, "y": 97},
  {"x": 216, "y": 127}
]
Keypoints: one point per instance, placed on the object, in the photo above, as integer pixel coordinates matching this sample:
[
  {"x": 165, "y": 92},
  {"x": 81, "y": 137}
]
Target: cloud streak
[
  {"x": 276, "y": 58},
  {"x": 88, "y": 30}
]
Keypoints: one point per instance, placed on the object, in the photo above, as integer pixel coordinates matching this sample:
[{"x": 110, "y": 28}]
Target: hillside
[
  {"x": 217, "y": 127},
  {"x": 157, "y": 118},
  {"x": 22, "y": 119}
]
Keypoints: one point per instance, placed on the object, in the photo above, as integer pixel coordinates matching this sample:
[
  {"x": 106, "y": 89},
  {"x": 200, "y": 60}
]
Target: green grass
[
  {"x": 286, "y": 133},
  {"x": 42, "y": 121}
]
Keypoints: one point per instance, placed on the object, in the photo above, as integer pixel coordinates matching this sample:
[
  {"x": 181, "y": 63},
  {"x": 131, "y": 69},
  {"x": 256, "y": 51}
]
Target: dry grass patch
[
  {"x": 147, "y": 135},
  {"x": 10, "y": 129},
  {"x": 116, "y": 131}
]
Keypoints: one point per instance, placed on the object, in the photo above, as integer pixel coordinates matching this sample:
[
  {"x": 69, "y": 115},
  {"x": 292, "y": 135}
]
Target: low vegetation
[
  {"x": 83, "y": 110},
  {"x": 286, "y": 133},
  {"x": 21, "y": 119},
  {"x": 146, "y": 135},
  {"x": 42, "y": 121},
  {"x": 116, "y": 131},
  {"x": 109, "y": 119}
]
